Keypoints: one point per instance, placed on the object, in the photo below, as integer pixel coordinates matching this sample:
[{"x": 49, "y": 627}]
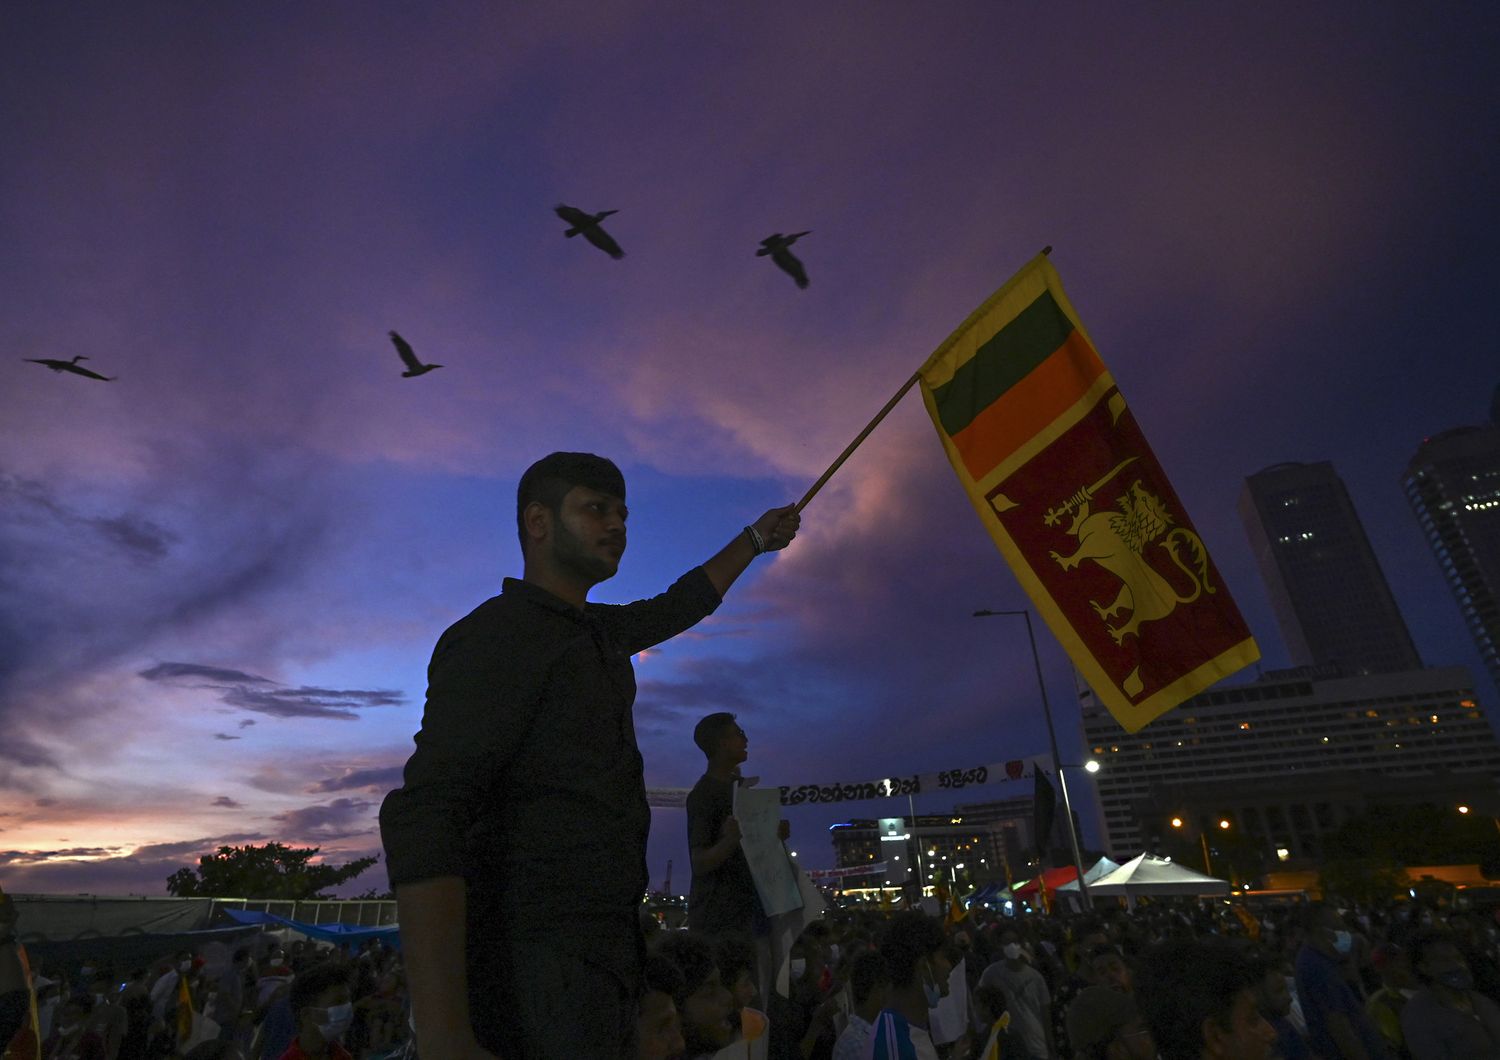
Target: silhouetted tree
[
  {"x": 269, "y": 871},
  {"x": 1366, "y": 857}
]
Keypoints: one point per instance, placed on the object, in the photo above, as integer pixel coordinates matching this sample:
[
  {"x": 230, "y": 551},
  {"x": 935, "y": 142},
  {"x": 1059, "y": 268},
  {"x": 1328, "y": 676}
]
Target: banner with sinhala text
[{"x": 1056, "y": 466}]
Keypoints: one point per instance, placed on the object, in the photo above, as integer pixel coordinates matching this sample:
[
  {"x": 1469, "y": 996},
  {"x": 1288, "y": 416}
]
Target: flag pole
[
  {"x": 849, "y": 449},
  {"x": 859, "y": 438}
]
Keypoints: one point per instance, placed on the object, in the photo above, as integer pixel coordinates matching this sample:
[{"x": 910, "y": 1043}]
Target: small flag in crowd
[
  {"x": 1062, "y": 477},
  {"x": 956, "y": 911},
  {"x": 184, "y": 1008}
]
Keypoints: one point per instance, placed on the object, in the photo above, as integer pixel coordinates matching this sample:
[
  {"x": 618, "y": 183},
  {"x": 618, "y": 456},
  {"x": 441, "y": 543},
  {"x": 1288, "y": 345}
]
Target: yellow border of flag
[{"x": 1035, "y": 277}]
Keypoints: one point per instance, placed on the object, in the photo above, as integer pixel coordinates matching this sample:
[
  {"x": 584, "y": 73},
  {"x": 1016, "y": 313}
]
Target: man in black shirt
[
  {"x": 517, "y": 843},
  {"x": 723, "y": 900}
]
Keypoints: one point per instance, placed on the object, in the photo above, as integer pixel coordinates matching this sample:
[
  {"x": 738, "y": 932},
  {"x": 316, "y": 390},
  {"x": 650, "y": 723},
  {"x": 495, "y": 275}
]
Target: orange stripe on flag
[{"x": 1027, "y": 408}]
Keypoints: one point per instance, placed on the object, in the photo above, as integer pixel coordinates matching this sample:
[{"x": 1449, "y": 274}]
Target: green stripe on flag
[{"x": 1002, "y": 362}]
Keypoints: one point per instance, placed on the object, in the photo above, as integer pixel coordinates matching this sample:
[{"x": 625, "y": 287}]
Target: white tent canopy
[
  {"x": 1151, "y": 876},
  {"x": 1103, "y": 867}
]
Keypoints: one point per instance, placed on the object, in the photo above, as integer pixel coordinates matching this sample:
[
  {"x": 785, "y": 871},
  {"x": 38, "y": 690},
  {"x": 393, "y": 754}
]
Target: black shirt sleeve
[
  {"x": 645, "y": 623},
  {"x": 482, "y": 694}
]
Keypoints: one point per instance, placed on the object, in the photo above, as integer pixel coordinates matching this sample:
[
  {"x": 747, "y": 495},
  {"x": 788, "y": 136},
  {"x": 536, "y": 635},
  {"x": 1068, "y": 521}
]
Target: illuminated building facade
[{"x": 1273, "y": 756}]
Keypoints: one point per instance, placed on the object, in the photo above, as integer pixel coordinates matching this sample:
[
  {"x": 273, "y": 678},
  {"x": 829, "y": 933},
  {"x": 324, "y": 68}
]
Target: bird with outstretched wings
[
  {"x": 778, "y": 247},
  {"x": 70, "y": 366},
  {"x": 414, "y": 367},
  {"x": 587, "y": 225}
]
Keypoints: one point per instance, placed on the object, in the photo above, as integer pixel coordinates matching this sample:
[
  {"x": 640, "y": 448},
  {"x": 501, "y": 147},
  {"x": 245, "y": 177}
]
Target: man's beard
[{"x": 573, "y": 555}]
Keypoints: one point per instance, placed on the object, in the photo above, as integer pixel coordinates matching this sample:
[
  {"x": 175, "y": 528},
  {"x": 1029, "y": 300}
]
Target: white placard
[
  {"x": 759, "y": 815},
  {"x": 948, "y": 1022}
]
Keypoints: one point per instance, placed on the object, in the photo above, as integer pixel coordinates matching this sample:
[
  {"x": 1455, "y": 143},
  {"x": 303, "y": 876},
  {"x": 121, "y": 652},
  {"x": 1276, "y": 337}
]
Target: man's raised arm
[{"x": 770, "y": 533}]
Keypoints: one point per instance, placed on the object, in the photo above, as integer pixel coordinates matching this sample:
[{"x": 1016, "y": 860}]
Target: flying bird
[
  {"x": 778, "y": 246},
  {"x": 70, "y": 366},
  {"x": 587, "y": 225},
  {"x": 414, "y": 367}
]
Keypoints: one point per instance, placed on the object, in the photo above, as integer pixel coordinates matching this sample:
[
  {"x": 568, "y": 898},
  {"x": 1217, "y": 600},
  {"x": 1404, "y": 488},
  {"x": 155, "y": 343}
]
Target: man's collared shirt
[{"x": 526, "y": 779}]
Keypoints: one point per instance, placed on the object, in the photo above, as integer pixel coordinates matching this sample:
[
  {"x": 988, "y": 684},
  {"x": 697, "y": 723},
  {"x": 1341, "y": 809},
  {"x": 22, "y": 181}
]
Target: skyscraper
[
  {"x": 1453, "y": 485},
  {"x": 1330, "y": 596}
]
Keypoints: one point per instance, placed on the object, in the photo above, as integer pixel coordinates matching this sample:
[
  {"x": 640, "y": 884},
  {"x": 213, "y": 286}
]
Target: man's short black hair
[
  {"x": 1312, "y": 916},
  {"x": 548, "y": 481},
  {"x": 909, "y": 937},
  {"x": 693, "y": 956},
  {"x": 1186, "y": 981},
  {"x": 867, "y": 973},
  {"x": 661, "y": 975},
  {"x": 708, "y": 732},
  {"x": 314, "y": 981}
]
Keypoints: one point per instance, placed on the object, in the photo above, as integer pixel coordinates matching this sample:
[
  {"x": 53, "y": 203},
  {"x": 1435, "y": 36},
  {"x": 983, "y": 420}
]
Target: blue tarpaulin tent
[{"x": 336, "y": 933}]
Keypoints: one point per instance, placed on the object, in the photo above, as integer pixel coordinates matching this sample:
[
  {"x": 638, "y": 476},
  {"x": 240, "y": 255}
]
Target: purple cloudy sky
[{"x": 221, "y": 576}]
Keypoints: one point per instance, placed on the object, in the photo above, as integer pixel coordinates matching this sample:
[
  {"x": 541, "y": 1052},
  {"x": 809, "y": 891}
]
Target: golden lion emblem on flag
[{"x": 1118, "y": 541}]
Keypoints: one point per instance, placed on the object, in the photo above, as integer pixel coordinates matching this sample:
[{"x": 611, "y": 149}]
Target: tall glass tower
[
  {"x": 1453, "y": 485},
  {"x": 1331, "y": 598}
]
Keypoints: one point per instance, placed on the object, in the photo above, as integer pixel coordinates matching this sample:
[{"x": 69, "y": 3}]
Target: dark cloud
[
  {"x": 225, "y": 736},
  {"x": 245, "y": 723},
  {"x": 228, "y": 803},
  {"x": 246, "y": 691},
  {"x": 324, "y": 822},
  {"x": 74, "y": 607},
  {"x": 35, "y": 504},
  {"x": 212, "y": 675},
  {"x": 380, "y": 779},
  {"x": 24, "y": 752}
]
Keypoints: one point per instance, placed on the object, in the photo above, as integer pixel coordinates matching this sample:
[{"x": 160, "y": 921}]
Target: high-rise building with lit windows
[
  {"x": 1292, "y": 755},
  {"x": 1453, "y": 486},
  {"x": 1330, "y": 596}
]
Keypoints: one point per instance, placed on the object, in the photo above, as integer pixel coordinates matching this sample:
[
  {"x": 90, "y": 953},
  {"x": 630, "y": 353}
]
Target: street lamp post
[
  {"x": 1208, "y": 868},
  {"x": 1083, "y": 887}
]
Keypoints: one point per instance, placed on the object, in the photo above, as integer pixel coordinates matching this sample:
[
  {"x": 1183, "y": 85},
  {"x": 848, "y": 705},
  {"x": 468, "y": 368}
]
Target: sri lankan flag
[{"x": 1055, "y": 464}]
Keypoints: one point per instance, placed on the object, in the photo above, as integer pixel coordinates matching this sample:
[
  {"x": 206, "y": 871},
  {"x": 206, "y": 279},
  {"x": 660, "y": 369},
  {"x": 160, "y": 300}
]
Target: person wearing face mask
[
  {"x": 323, "y": 1011},
  {"x": 1447, "y": 1019},
  {"x": 1337, "y": 1026},
  {"x": 916, "y": 961},
  {"x": 1030, "y": 1001}
]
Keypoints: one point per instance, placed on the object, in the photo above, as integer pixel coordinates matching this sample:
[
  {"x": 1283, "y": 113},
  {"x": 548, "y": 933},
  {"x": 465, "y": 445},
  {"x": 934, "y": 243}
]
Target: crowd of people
[
  {"x": 267, "y": 1001},
  {"x": 1180, "y": 981}
]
